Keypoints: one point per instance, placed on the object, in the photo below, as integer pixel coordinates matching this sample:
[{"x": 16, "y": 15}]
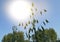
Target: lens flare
[{"x": 18, "y": 10}]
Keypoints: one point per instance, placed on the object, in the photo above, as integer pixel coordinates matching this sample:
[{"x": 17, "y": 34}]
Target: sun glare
[{"x": 18, "y": 10}]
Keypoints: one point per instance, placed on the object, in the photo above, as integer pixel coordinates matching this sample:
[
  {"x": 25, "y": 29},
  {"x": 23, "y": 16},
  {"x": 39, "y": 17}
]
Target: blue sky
[{"x": 53, "y": 15}]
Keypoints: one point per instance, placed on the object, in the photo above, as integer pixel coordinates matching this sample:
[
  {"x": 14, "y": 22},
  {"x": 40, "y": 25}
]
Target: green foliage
[
  {"x": 26, "y": 40},
  {"x": 7, "y": 38},
  {"x": 14, "y": 37},
  {"x": 58, "y": 41},
  {"x": 48, "y": 35},
  {"x": 52, "y": 35}
]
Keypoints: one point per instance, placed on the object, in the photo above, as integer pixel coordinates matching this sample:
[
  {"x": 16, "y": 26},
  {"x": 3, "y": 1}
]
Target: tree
[
  {"x": 52, "y": 35},
  {"x": 14, "y": 37},
  {"x": 49, "y": 35}
]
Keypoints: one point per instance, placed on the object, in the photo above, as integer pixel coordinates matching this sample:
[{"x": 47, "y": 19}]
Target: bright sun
[{"x": 19, "y": 10}]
